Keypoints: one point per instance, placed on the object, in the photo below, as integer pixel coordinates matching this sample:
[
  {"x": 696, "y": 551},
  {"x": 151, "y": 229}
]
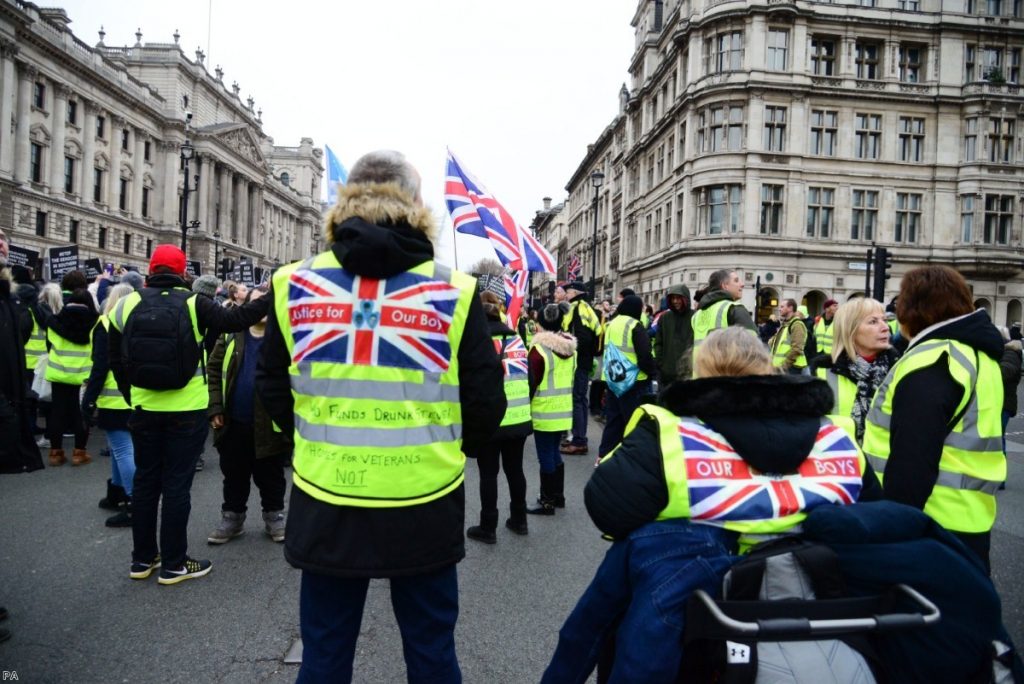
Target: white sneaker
[{"x": 43, "y": 443}]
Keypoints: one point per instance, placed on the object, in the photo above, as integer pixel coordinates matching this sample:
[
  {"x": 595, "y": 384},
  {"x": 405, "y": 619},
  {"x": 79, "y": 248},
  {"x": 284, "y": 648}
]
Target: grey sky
[{"x": 516, "y": 89}]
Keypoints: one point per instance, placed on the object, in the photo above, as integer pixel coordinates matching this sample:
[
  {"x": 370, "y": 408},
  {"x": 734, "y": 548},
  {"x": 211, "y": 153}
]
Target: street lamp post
[
  {"x": 596, "y": 179},
  {"x": 187, "y": 153},
  {"x": 216, "y": 253}
]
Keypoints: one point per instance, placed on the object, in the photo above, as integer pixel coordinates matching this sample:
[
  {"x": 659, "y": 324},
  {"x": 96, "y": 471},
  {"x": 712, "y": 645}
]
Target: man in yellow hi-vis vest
[
  {"x": 720, "y": 307},
  {"x": 380, "y": 362}
]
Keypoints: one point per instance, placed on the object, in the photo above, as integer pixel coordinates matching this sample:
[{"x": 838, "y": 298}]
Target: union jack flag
[
  {"x": 513, "y": 356},
  {"x": 475, "y": 211},
  {"x": 515, "y": 292},
  {"x": 575, "y": 268},
  {"x": 725, "y": 488},
  {"x": 400, "y": 322}
]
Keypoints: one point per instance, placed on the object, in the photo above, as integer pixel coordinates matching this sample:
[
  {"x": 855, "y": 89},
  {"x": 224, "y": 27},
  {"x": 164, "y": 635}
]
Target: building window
[
  {"x": 774, "y": 129},
  {"x": 39, "y": 95},
  {"x": 682, "y": 142},
  {"x": 868, "y": 142},
  {"x": 824, "y": 132},
  {"x": 145, "y": 202},
  {"x": 823, "y": 56},
  {"x": 660, "y": 173},
  {"x": 998, "y": 219},
  {"x": 101, "y": 238},
  {"x": 867, "y": 59},
  {"x": 36, "y": 162},
  {"x": 1013, "y": 66},
  {"x": 778, "y": 43},
  {"x": 723, "y": 52},
  {"x": 719, "y": 209},
  {"x": 41, "y": 223},
  {"x": 911, "y": 139},
  {"x": 122, "y": 198},
  {"x": 771, "y": 209},
  {"x": 670, "y": 151},
  {"x": 993, "y": 8},
  {"x": 124, "y": 138},
  {"x": 650, "y": 172},
  {"x": 69, "y": 174},
  {"x": 820, "y": 209},
  {"x": 72, "y": 112},
  {"x": 97, "y": 185},
  {"x": 970, "y": 63},
  {"x": 647, "y": 234},
  {"x": 911, "y": 58},
  {"x": 145, "y": 150},
  {"x": 149, "y": 248},
  {"x": 1000, "y": 139},
  {"x": 101, "y": 124},
  {"x": 967, "y": 218},
  {"x": 73, "y": 231},
  {"x": 991, "y": 64},
  {"x": 908, "y": 217},
  {"x": 721, "y": 129},
  {"x": 910, "y": 5},
  {"x": 865, "y": 215},
  {"x": 127, "y": 243},
  {"x": 865, "y": 3},
  {"x": 285, "y": 179},
  {"x": 971, "y": 139}
]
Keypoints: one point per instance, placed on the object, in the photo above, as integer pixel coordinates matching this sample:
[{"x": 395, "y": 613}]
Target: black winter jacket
[
  {"x": 738, "y": 315},
  {"x": 771, "y": 421},
  {"x": 18, "y": 450},
  {"x": 349, "y": 541},
  {"x": 1010, "y": 365}
]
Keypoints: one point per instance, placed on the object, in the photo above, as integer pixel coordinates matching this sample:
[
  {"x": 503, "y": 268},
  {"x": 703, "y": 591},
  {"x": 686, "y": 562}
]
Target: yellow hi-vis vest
[
  {"x": 781, "y": 345},
  {"x": 69, "y": 363},
  {"x": 709, "y": 483},
  {"x": 551, "y": 406},
  {"x": 843, "y": 389},
  {"x": 587, "y": 316},
  {"x": 704, "y": 321},
  {"x": 194, "y": 396},
  {"x": 619, "y": 334},
  {"x": 110, "y": 396},
  {"x": 823, "y": 334},
  {"x": 972, "y": 463},
  {"x": 375, "y": 379},
  {"x": 513, "y": 354},
  {"x": 36, "y": 345}
]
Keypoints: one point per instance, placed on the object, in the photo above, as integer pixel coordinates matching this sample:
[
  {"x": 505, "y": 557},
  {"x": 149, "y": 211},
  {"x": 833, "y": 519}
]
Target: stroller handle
[{"x": 788, "y": 628}]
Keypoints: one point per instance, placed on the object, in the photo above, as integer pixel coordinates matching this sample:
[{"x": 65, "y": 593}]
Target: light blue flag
[{"x": 336, "y": 174}]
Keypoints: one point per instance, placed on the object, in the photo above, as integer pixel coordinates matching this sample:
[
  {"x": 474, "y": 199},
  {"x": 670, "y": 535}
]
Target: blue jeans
[
  {"x": 167, "y": 446},
  {"x": 619, "y": 411},
  {"x": 580, "y": 390},
  {"x": 122, "y": 459},
  {"x": 426, "y": 608},
  {"x": 638, "y": 596},
  {"x": 548, "y": 452}
]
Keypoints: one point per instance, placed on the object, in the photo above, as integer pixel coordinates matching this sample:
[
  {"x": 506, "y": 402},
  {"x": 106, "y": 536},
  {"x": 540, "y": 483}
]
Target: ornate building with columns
[
  {"x": 784, "y": 137},
  {"x": 92, "y": 154}
]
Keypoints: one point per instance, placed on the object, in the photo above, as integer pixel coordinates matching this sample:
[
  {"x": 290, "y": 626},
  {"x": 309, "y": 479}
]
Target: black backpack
[{"x": 158, "y": 344}]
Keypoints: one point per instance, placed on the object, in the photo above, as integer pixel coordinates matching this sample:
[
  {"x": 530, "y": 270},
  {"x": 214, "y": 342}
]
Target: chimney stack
[{"x": 547, "y": 204}]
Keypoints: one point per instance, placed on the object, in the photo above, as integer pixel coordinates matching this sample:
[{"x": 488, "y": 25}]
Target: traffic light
[
  {"x": 226, "y": 266},
  {"x": 882, "y": 265}
]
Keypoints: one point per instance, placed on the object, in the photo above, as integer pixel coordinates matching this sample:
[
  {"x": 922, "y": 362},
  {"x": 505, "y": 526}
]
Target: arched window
[{"x": 286, "y": 179}]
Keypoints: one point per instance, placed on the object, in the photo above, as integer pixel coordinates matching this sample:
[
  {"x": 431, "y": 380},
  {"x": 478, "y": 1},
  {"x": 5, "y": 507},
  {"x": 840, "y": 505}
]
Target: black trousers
[
  {"x": 597, "y": 388},
  {"x": 66, "y": 416},
  {"x": 239, "y": 466},
  {"x": 506, "y": 454}
]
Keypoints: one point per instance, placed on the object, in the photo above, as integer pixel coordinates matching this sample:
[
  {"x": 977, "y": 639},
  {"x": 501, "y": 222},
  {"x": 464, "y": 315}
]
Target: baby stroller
[{"x": 786, "y": 618}]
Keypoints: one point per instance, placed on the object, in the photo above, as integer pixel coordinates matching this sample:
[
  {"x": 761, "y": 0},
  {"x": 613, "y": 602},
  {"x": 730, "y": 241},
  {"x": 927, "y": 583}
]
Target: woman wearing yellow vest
[
  {"x": 739, "y": 454},
  {"x": 934, "y": 432},
  {"x": 69, "y": 341},
  {"x": 552, "y": 362},
  {"x": 112, "y": 412},
  {"x": 504, "y": 450},
  {"x": 860, "y": 359}
]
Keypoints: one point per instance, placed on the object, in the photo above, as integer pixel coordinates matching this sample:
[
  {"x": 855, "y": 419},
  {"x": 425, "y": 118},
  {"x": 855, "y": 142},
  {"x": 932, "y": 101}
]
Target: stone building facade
[
  {"x": 92, "y": 155},
  {"x": 784, "y": 137}
]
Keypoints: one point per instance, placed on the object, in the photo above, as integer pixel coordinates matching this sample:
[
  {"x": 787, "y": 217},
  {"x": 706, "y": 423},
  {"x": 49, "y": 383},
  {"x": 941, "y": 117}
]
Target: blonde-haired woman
[
  {"x": 693, "y": 480},
  {"x": 103, "y": 398},
  {"x": 861, "y": 358}
]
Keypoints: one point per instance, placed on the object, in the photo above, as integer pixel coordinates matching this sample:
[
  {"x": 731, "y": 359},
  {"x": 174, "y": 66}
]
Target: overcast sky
[{"x": 516, "y": 89}]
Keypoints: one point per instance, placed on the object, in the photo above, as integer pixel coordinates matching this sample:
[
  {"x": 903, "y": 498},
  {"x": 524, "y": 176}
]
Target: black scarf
[{"x": 868, "y": 376}]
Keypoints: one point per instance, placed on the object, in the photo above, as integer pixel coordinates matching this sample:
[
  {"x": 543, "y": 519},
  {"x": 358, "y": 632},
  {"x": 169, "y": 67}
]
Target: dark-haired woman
[{"x": 934, "y": 431}]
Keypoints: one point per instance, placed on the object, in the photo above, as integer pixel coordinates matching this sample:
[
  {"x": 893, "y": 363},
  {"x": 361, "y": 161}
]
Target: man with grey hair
[{"x": 380, "y": 362}]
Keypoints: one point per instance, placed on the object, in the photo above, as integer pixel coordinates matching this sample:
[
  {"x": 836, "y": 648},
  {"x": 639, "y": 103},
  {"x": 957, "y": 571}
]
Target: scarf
[{"x": 868, "y": 375}]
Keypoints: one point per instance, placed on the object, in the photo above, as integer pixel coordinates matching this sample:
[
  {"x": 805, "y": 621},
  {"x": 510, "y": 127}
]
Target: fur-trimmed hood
[
  {"x": 561, "y": 343},
  {"x": 383, "y": 204},
  {"x": 771, "y": 420}
]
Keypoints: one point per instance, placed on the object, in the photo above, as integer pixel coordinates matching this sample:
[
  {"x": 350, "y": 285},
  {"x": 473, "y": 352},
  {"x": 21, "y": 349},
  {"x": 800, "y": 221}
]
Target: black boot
[
  {"x": 484, "y": 532},
  {"x": 114, "y": 498},
  {"x": 517, "y": 518},
  {"x": 546, "y": 505},
  {"x": 122, "y": 519},
  {"x": 558, "y": 486}
]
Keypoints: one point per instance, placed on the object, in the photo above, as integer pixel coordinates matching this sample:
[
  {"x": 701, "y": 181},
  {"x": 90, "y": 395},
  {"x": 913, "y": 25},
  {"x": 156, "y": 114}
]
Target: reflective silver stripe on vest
[
  {"x": 37, "y": 334},
  {"x": 720, "y": 321},
  {"x": 877, "y": 462},
  {"x": 833, "y": 384},
  {"x": 960, "y": 481},
  {"x": 107, "y": 392},
  {"x": 549, "y": 364},
  {"x": 521, "y": 401},
  {"x": 336, "y": 388},
  {"x": 72, "y": 354},
  {"x": 425, "y": 435},
  {"x": 65, "y": 369},
  {"x": 626, "y": 347},
  {"x": 119, "y": 315},
  {"x": 558, "y": 415},
  {"x": 34, "y": 352}
]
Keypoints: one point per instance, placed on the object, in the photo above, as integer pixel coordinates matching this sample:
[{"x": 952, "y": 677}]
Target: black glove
[{"x": 89, "y": 413}]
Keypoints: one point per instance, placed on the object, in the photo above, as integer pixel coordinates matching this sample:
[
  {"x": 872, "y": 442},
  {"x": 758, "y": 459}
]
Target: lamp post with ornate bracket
[{"x": 187, "y": 153}]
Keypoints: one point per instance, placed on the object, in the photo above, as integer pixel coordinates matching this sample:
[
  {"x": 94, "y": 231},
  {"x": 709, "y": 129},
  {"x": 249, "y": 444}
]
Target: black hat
[
  {"x": 576, "y": 285},
  {"x": 551, "y": 316}
]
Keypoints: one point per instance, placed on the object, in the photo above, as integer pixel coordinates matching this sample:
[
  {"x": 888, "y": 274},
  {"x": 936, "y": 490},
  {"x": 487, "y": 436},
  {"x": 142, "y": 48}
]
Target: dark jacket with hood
[
  {"x": 674, "y": 340},
  {"x": 18, "y": 450},
  {"x": 923, "y": 406},
  {"x": 587, "y": 342},
  {"x": 376, "y": 231},
  {"x": 500, "y": 330},
  {"x": 1009, "y": 366},
  {"x": 633, "y": 307},
  {"x": 770, "y": 420},
  {"x": 74, "y": 322},
  {"x": 738, "y": 315}
]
